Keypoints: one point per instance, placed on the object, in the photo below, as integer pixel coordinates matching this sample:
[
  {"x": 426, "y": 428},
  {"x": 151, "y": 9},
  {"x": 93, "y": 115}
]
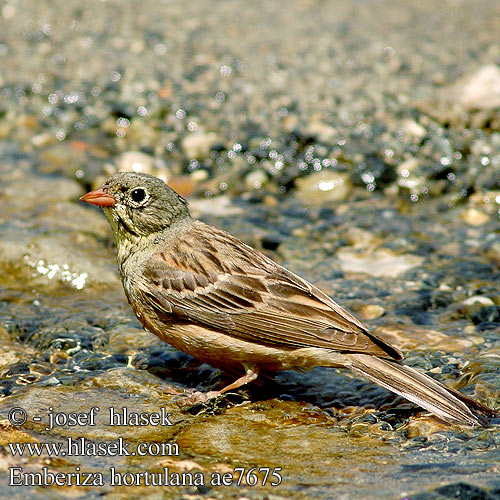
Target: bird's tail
[{"x": 447, "y": 404}]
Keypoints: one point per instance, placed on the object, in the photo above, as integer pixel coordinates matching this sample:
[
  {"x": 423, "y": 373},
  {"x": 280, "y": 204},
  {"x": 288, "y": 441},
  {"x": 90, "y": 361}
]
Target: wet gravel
[{"x": 356, "y": 143}]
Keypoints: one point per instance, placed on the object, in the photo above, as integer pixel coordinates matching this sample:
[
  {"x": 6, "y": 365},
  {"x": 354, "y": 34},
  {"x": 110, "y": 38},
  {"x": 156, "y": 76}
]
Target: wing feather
[{"x": 232, "y": 287}]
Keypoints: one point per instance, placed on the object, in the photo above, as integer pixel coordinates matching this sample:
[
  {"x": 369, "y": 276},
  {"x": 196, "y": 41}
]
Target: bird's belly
[{"x": 231, "y": 354}]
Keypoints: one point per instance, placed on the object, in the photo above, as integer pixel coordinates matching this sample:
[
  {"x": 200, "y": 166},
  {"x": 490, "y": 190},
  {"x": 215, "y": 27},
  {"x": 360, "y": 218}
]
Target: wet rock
[
  {"x": 198, "y": 144},
  {"x": 413, "y": 129},
  {"x": 475, "y": 217},
  {"x": 135, "y": 161},
  {"x": 410, "y": 337},
  {"x": 361, "y": 238},
  {"x": 493, "y": 251},
  {"x": 36, "y": 192},
  {"x": 473, "y": 305},
  {"x": 473, "y": 99},
  {"x": 490, "y": 314},
  {"x": 373, "y": 172},
  {"x": 370, "y": 311},
  {"x": 323, "y": 187},
  {"x": 218, "y": 206},
  {"x": 457, "y": 491},
  {"x": 382, "y": 262},
  {"x": 481, "y": 90},
  {"x": 255, "y": 179}
]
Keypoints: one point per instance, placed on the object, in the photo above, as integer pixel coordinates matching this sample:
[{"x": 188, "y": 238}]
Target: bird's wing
[{"x": 209, "y": 277}]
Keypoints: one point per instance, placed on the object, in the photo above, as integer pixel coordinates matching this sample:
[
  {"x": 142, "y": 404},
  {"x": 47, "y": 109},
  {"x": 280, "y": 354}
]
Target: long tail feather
[{"x": 448, "y": 404}]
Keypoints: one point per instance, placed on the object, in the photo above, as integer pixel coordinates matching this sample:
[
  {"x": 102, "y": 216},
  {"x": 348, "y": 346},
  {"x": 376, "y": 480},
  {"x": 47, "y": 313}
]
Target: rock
[
  {"x": 413, "y": 129},
  {"x": 255, "y": 179},
  {"x": 198, "y": 144},
  {"x": 323, "y": 187},
  {"x": 382, "y": 262},
  {"x": 360, "y": 238},
  {"x": 490, "y": 314},
  {"x": 481, "y": 91},
  {"x": 473, "y": 304},
  {"x": 473, "y": 100},
  {"x": 321, "y": 130},
  {"x": 462, "y": 491},
  {"x": 135, "y": 161},
  {"x": 371, "y": 311},
  {"x": 37, "y": 192},
  {"x": 407, "y": 167},
  {"x": 410, "y": 337},
  {"x": 474, "y": 217},
  {"x": 493, "y": 252},
  {"x": 218, "y": 206}
]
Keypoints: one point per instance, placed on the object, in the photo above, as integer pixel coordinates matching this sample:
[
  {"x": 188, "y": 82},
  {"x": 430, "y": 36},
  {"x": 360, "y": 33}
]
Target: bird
[{"x": 210, "y": 295}]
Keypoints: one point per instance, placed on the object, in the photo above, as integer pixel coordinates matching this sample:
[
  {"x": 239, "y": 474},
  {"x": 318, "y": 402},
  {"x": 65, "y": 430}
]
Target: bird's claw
[{"x": 192, "y": 397}]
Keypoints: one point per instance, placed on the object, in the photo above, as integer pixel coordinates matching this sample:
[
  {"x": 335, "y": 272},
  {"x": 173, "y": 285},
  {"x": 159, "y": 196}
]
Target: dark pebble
[
  {"x": 490, "y": 314},
  {"x": 458, "y": 491}
]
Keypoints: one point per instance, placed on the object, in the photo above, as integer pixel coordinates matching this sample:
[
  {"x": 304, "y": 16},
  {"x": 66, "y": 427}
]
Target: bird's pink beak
[{"x": 99, "y": 198}]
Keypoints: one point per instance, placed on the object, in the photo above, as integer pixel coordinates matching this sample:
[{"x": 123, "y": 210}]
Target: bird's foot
[{"x": 193, "y": 397}]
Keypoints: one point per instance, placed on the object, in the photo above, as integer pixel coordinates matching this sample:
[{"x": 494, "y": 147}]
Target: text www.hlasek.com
[{"x": 82, "y": 447}]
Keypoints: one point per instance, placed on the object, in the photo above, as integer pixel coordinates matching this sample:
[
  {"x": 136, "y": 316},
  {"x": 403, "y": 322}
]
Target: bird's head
[{"x": 138, "y": 205}]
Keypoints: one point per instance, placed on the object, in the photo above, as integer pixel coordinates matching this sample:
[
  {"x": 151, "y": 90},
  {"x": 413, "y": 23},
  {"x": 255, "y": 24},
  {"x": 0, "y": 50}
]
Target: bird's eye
[{"x": 138, "y": 195}]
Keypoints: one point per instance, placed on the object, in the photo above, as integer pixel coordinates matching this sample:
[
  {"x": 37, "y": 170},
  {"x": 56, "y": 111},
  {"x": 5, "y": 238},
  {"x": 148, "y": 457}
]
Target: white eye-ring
[{"x": 138, "y": 195}]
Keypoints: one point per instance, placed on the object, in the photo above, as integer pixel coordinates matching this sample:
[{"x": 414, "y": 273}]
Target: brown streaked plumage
[{"x": 210, "y": 295}]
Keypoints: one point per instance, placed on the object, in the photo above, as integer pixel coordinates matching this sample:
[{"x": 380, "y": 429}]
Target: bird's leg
[
  {"x": 202, "y": 397},
  {"x": 250, "y": 376}
]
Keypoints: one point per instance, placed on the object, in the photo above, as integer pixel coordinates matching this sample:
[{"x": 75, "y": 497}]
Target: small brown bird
[{"x": 210, "y": 295}]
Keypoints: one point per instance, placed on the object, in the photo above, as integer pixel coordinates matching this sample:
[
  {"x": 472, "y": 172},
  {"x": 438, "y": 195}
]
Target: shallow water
[{"x": 306, "y": 136}]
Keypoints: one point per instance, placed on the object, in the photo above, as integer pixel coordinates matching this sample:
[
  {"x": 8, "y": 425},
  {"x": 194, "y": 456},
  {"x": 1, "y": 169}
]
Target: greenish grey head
[{"x": 138, "y": 205}]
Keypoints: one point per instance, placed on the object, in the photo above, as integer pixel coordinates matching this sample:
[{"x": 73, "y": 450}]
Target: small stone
[
  {"x": 43, "y": 139},
  {"x": 490, "y": 314},
  {"x": 217, "y": 206},
  {"x": 382, "y": 262},
  {"x": 462, "y": 491},
  {"x": 135, "y": 161},
  {"x": 321, "y": 130},
  {"x": 359, "y": 238},
  {"x": 255, "y": 179},
  {"x": 323, "y": 186},
  {"x": 413, "y": 129},
  {"x": 474, "y": 217},
  {"x": 481, "y": 91},
  {"x": 199, "y": 175},
  {"x": 371, "y": 311},
  {"x": 472, "y": 100},
  {"x": 198, "y": 144},
  {"x": 473, "y": 304},
  {"x": 407, "y": 167},
  {"x": 409, "y": 337},
  {"x": 493, "y": 252}
]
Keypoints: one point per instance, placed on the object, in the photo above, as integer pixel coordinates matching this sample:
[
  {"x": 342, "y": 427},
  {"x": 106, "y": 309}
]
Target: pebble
[
  {"x": 323, "y": 187},
  {"x": 198, "y": 144},
  {"x": 255, "y": 179},
  {"x": 490, "y": 314},
  {"x": 473, "y": 304},
  {"x": 481, "y": 90},
  {"x": 382, "y": 262},
  {"x": 218, "y": 206},
  {"x": 135, "y": 161},
  {"x": 472, "y": 100},
  {"x": 475, "y": 217},
  {"x": 413, "y": 129},
  {"x": 371, "y": 311},
  {"x": 360, "y": 238}
]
